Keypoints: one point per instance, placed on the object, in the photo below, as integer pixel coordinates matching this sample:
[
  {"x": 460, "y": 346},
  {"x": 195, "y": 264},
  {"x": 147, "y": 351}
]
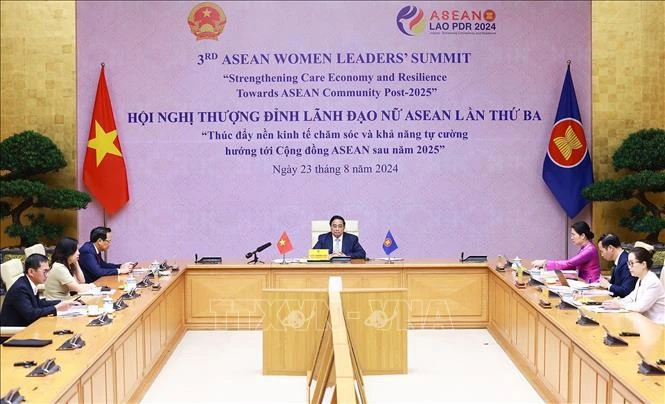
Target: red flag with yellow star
[
  {"x": 284, "y": 244},
  {"x": 104, "y": 171}
]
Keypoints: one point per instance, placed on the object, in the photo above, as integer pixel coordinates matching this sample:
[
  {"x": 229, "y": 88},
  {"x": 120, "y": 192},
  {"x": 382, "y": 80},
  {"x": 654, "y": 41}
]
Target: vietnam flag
[
  {"x": 104, "y": 172},
  {"x": 284, "y": 244}
]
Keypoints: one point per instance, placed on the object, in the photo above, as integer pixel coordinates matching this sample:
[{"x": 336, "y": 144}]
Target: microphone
[
  {"x": 258, "y": 249},
  {"x": 263, "y": 247}
]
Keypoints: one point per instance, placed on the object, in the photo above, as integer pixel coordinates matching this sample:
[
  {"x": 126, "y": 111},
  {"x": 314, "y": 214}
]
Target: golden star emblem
[
  {"x": 282, "y": 242},
  {"x": 206, "y": 12},
  {"x": 103, "y": 143}
]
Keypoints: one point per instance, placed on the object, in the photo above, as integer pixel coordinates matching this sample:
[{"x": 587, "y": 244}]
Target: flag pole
[
  {"x": 565, "y": 230},
  {"x": 565, "y": 235},
  {"x": 104, "y": 224},
  {"x": 283, "y": 258}
]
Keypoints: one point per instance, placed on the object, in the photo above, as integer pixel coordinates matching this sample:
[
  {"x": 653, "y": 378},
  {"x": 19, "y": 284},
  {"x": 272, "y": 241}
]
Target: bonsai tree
[
  {"x": 642, "y": 155},
  {"x": 24, "y": 158}
]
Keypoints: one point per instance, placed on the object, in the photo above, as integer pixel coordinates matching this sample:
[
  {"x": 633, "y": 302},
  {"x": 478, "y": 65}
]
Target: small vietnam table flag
[{"x": 284, "y": 245}]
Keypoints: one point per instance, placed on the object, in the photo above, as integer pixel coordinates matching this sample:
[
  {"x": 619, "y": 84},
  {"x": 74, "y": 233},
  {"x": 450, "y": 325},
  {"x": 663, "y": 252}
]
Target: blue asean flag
[
  {"x": 389, "y": 244},
  {"x": 567, "y": 167}
]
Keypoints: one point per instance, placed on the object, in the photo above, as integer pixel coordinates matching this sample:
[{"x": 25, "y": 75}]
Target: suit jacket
[
  {"x": 622, "y": 282},
  {"x": 647, "y": 298},
  {"x": 21, "y": 307},
  {"x": 92, "y": 264},
  {"x": 350, "y": 245}
]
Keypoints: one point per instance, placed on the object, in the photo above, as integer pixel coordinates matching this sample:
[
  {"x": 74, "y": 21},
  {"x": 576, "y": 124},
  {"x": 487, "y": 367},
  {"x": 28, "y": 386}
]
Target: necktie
[{"x": 337, "y": 247}]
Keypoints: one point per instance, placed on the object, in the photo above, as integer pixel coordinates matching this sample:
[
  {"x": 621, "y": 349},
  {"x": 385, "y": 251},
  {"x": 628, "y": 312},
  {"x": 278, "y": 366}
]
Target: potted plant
[
  {"x": 24, "y": 159},
  {"x": 641, "y": 156}
]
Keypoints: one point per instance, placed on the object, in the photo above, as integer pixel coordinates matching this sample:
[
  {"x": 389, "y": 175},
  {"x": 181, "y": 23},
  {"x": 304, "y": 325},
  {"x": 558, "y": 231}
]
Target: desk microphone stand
[{"x": 255, "y": 259}]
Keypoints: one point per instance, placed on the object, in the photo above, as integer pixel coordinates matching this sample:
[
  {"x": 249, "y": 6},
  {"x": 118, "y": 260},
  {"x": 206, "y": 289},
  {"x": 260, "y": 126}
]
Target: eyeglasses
[
  {"x": 631, "y": 263},
  {"x": 108, "y": 241}
]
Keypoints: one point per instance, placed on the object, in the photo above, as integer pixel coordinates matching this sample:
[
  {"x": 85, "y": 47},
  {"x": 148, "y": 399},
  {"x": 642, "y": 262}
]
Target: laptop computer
[
  {"x": 561, "y": 277},
  {"x": 571, "y": 283}
]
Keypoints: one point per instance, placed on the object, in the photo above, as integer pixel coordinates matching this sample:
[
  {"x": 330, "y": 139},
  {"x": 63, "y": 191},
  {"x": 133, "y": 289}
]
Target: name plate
[{"x": 318, "y": 254}]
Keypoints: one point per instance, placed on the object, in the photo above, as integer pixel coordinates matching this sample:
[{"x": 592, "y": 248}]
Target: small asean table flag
[
  {"x": 389, "y": 244},
  {"x": 104, "y": 172},
  {"x": 284, "y": 244}
]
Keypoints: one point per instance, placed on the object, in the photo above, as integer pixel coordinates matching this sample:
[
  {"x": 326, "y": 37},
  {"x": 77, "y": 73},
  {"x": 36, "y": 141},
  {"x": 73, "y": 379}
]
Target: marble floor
[{"x": 444, "y": 366}]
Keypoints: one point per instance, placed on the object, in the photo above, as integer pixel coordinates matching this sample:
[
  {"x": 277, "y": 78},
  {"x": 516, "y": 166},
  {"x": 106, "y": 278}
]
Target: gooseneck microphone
[{"x": 263, "y": 247}]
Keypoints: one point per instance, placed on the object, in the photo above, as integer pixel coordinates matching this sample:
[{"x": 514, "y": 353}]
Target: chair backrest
[
  {"x": 10, "y": 331},
  {"x": 323, "y": 226},
  {"x": 10, "y": 271},
  {"x": 35, "y": 249}
]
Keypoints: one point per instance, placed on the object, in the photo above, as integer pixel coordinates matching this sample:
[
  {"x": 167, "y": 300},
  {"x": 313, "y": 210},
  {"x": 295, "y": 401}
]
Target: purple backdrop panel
[{"x": 429, "y": 119}]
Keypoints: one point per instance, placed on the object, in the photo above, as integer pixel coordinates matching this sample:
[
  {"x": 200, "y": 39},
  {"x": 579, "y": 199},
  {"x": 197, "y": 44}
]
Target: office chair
[
  {"x": 8, "y": 331},
  {"x": 10, "y": 271},
  {"x": 35, "y": 249}
]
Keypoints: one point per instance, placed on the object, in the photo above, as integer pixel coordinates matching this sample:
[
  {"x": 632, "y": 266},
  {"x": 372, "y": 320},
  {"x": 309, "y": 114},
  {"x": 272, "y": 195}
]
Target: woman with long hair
[{"x": 65, "y": 274}]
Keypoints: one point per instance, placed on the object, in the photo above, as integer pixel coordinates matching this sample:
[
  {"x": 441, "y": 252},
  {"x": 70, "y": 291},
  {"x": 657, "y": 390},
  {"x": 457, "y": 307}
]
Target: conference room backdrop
[{"x": 429, "y": 119}]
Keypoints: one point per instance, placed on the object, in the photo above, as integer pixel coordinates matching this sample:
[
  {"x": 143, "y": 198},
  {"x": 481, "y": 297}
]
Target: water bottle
[
  {"x": 108, "y": 305},
  {"x": 130, "y": 284}
]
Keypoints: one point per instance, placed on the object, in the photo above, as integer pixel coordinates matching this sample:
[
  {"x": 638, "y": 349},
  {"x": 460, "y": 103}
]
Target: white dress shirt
[
  {"x": 337, "y": 244},
  {"x": 33, "y": 286},
  {"x": 648, "y": 298}
]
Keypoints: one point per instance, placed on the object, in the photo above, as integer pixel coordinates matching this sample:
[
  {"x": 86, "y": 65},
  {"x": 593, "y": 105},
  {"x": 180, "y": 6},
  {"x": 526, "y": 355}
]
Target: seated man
[
  {"x": 622, "y": 282},
  {"x": 90, "y": 258},
  {"x": 22, "y": 306},
  {"x": 338, "y": 243}
]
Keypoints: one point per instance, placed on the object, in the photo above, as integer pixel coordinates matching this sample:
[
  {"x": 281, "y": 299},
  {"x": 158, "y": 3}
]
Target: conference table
[{"x": 565, "y": 362}]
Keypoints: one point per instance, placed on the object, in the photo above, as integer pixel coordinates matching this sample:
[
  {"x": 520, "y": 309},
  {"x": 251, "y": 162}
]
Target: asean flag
[
  {"x": 104, "y": 172},
  {"x": 567, "y": 167}
]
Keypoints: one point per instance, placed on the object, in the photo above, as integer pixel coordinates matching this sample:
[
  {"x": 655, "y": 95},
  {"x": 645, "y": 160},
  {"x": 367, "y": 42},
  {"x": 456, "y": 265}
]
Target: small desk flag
[
  {"x": 104, "y": 172},
  {"x": 284, "y": 244},
  {"x": 567, "y": 167},
  {"x": 389, "y": 244}
]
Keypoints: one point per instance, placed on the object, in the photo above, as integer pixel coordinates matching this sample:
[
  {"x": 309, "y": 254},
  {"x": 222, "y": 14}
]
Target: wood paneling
[
  {"x": 175, "y": 310},
  {"x": 72, "y": 396},
  {"x": 500, "y": 308},
  {"x": 289, "y": 279},
  {"x": 621, "y": 395},
  {"x": 129, "y": 361},
  {"x": 97, "y": 383},
  {"x": 154, "y": 332},
  {"x": 292, "y": 329},
  {"x": 376, "y": 320},
  {"x": 589, "y": 380},
  {"x": 225, "y": 299},
  {"x": 523, "y": 322},
  {"x": 553, "y": 357},
  {"x": 446, "y": 298}
]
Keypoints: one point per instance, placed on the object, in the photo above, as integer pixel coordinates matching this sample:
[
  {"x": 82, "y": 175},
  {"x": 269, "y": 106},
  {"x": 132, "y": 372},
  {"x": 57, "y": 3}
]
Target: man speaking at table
[
  {"x": 339, "y": 243},
  {"x": 90, "y": 258}
]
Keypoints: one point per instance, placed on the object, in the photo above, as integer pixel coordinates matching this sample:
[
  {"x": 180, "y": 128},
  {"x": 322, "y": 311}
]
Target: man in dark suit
[
  {"x": 90, "y": 258},
  {"x": 338, "y": 243},
  {"x": 22, "y": 306},
  {"x": 622, "y": 282}
]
